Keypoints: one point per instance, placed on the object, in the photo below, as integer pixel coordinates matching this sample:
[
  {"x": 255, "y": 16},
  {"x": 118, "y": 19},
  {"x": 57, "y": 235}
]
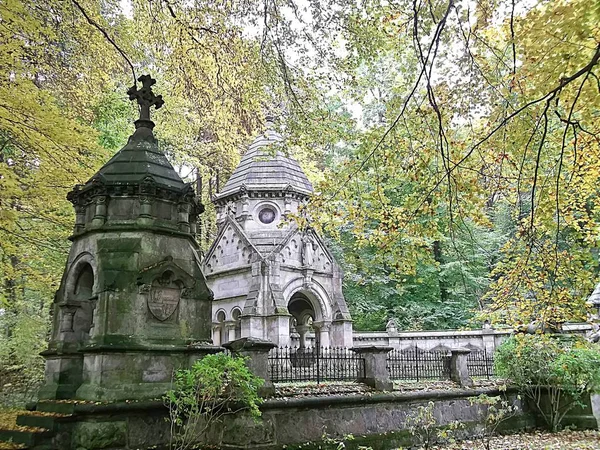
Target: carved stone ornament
[
  {"x": 163, "y": 301},
  {"x": 144, "y": 288}
]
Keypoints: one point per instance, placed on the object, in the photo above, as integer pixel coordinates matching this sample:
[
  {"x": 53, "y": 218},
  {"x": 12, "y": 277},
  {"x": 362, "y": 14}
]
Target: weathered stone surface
[
  {"x": 257, "y": 352},
  {"x": 380, "y": 418},
  {"x": 377, "y": 373},
  {"x": 99, "y": 435},
  {"x": 133, "y": 297},
  {"x": 459, "y": 372},
  {"x": 260, "y": 263}
]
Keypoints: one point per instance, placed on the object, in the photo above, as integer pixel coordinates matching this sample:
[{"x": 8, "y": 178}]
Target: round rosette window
[{"x": 267, "y": 215}]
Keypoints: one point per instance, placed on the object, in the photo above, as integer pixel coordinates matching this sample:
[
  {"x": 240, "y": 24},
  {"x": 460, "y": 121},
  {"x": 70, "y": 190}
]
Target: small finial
[
  {"x": 269, "y": 121},
  {"x": 145, "y": 98}
]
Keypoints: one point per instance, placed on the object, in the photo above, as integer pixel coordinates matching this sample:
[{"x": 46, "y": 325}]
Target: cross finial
[{"x": 145, "y": 98}]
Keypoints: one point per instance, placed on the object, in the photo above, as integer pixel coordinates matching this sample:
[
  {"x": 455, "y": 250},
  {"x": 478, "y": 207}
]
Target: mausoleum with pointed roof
[
  {"x": 133, "y": 303},
  {"x": 271, "y": 279}
]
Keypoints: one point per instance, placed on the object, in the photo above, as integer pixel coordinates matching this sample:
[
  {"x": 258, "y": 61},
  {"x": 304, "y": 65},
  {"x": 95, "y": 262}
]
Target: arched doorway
[{"x": 303, "y": 315}]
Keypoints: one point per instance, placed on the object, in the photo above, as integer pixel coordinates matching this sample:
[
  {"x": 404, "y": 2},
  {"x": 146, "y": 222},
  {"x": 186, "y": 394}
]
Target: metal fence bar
[
  {"x": 480, "y": 364},
  {"x": 415, "y": 364},
  {"x": 289, "y": 364}
]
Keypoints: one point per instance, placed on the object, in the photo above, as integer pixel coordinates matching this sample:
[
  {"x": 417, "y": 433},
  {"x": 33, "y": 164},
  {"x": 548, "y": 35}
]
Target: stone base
[{"x": 377, "y": 420}]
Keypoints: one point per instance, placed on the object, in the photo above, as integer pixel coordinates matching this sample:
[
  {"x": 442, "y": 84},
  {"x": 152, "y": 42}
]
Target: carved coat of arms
[{"x": 163, "y": 301}]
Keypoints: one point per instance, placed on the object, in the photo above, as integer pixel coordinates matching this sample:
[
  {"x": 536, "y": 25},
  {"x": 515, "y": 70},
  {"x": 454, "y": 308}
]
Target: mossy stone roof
[{"x": 140, "y": 158}]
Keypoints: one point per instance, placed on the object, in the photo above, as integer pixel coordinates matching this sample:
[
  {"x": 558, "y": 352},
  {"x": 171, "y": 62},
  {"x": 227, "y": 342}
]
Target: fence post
[
  {"x": 257, "y": 352},
  {"x": 377, "y": 374},
  {"x": 459, "y": 372}
]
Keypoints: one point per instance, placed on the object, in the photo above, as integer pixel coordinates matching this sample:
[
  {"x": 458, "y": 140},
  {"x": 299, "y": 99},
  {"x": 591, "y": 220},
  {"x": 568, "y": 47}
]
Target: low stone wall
[
  {"x": 487, "y": 339},
  {"x": 378, "y": 420}
]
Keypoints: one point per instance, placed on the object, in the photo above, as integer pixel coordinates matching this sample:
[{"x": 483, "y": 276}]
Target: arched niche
[
  {"x": 76, "y": 310},
  {"x": 220, "y": 331},
  {"x": 236, "y": 315}
]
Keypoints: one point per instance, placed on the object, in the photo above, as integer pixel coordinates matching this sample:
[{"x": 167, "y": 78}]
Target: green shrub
[
  {"x": 554, "y": 371},
  {"x": 215, "y": 386}
]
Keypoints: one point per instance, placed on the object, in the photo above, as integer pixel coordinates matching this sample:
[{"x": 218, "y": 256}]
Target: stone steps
[
  {"x": 56, "y": 407},
  {"x": 29, "y": 439}
]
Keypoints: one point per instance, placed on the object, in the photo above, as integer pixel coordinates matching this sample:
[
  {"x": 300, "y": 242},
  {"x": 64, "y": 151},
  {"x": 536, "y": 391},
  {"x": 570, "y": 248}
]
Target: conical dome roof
[
  {"x": 139, "y": 159},
  {"x": 264, "y": 169}
]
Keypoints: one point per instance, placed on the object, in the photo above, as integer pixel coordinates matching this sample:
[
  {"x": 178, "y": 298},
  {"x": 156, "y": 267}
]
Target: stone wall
[
  {"x": 483, "y": 339},
  {"x": 378, "y": 420}
]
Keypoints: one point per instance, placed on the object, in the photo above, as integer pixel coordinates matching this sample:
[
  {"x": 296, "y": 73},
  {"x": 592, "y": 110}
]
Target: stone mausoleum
[
  {"x": 271, "y": 279},
  {"x": 133, "y": 303}
]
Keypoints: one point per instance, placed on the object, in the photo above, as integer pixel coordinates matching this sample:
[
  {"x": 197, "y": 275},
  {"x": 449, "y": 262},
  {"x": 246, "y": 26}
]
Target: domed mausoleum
[{"x": 271, "y": 279}]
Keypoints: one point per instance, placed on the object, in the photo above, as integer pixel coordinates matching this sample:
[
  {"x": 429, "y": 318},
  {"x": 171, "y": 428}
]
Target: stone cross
[{"x": 145, "y": 97}]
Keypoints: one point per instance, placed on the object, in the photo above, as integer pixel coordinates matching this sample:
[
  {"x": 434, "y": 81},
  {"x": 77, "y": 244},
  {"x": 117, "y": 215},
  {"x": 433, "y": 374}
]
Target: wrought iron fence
[
  {"x": 414, "y": 364},
  {"x": 287, "y": 364},
  {"x": 480, "y": 364}
]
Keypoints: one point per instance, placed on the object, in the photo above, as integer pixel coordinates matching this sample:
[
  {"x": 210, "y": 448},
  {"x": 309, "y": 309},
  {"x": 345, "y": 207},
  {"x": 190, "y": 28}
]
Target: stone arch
[
  {"x": 236, "y": 314},
  {"x": 77, "y": 308},
  {"x": 84, "y": 261},
  {"x": 220, "y": 333},
  {"x": 315, "y": 293}
]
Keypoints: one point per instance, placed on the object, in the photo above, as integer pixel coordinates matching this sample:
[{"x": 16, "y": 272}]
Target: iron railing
[
  {"x": 414, "y": 364},
  {"x": 288, "y": 364},
  {"x": 480, "y": 364}
]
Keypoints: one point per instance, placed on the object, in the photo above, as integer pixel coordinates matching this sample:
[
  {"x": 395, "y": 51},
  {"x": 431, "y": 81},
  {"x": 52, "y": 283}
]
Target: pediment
[
  {"x": 306, "y": 250},
  {"x": 231, "y": 249}
]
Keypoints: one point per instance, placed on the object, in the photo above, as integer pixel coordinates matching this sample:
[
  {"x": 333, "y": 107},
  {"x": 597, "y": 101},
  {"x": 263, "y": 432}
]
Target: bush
[
  {"x": 215, "y": 386},
  {"x": 561, "y": 369}
]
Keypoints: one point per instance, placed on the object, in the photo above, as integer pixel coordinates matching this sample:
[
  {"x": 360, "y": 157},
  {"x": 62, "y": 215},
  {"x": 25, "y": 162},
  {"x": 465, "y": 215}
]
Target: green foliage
[
  {"x": 497, "y": 411},
  {"x": 215, "y": 386},
  {"x": 423, "y": 425},
  {"x": 553, "y": 371}
]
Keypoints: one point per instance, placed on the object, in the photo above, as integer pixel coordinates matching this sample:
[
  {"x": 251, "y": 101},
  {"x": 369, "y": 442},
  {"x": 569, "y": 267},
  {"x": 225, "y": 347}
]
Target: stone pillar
[
  {"x": 459, "y": 372},
  {"x": 79, "y": 218},
  {"x": 341, "y": 333},
  {"x": 257, "y": 352},
  {"x": 322, "y": 331},
  {"x": 302, "y": 332},
  {"x": 183, "y": 217},
  {"x": 377, "y": 374},
  {"x": 279, "y": 329},
  {"x": 216, "y": 333},
  {"x": 252, "y": 326},
  {"x": 230, "y": 330},
  {"x": 100, "y": 211}
]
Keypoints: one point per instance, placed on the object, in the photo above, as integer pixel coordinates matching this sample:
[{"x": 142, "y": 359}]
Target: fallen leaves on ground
[
  {"x": 8, "y": 421},
  {"x": 10, "y": 446},
  {"x": 311, "y": 389},
  {"x": 538, "y": 440},
  {"x": 308, "y": 389}
]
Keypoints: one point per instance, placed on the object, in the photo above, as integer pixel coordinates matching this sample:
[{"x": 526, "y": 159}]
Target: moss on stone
[{"x": 99, "y": 435}]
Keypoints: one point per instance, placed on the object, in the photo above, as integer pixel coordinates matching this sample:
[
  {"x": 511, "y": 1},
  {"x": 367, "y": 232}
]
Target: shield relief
[{"x": 163, "y": 301}]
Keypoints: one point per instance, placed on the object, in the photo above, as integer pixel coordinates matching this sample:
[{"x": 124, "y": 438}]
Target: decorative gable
[
  {"x": 231, "y": 249},
  {"x": 306, "y": 250},
  {"x": 292, "y": 252}
]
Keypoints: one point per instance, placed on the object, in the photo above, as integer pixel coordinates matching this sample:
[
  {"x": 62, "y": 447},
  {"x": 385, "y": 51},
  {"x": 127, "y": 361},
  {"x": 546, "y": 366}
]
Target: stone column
[
  {"x": 79, "y": 218},
  {"x": 459, "y": 372},
  {"x": 257, "y": 352},
  {"x": 230, "y": 330},
  {"x": 302, "y": 332},
  {"x": 183, "y": 217},
  {"x": 377, "y": 374},
  {"x": 100, "y": 211},
  {"x": 324, "y": 337},
  {"x": 216, "y": 333}
]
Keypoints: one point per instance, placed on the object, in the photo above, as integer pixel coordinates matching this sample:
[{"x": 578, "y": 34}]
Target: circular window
[{"x": 266, "y": 215}]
